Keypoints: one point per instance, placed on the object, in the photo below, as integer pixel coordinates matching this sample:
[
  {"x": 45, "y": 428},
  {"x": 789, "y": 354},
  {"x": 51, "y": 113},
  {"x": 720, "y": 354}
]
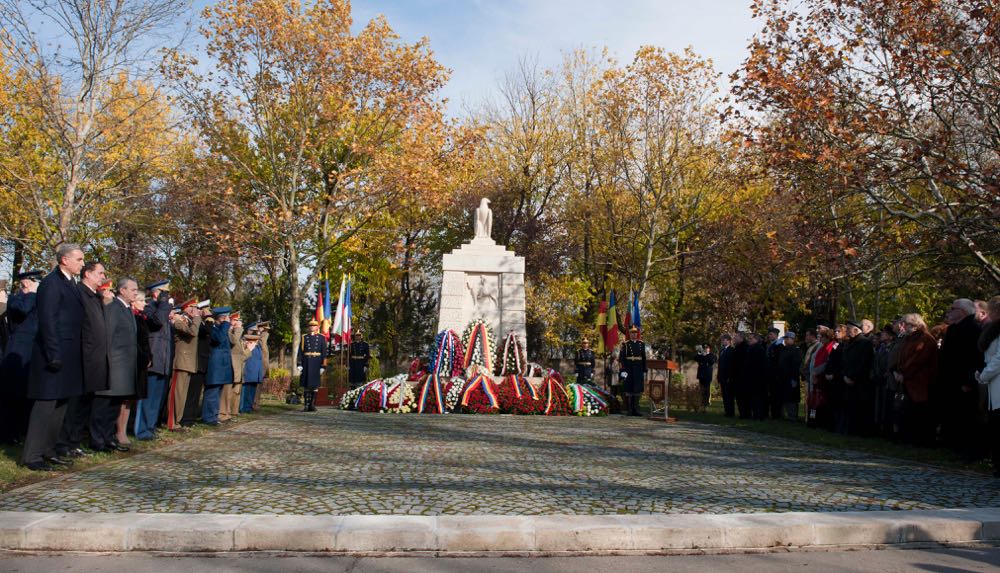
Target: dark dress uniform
[
  {"x": 312, "y": 353},
  {"x": 633, "y": 363},
  {"x": 358, "y": 363},
  {"x": 14, "y": 370},
  {"x": 585, "y": 366}
]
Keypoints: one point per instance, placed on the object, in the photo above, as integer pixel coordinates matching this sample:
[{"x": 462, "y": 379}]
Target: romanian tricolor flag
[
  {"x": 602, "y": 327},
  {"x": 324, "y": 324},
  {"x": 611, "y": 339},
  {"x": 319, "y": 307}
]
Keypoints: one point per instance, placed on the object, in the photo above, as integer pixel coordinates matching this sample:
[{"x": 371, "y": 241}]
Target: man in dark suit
[
  {"x": 56, "y": 359},
  {"x": 724, "y": 376},
  {"x": 94, "y": 338},
  {"x": 22, "y": 320},
  {"x": 105, "y": 434}
]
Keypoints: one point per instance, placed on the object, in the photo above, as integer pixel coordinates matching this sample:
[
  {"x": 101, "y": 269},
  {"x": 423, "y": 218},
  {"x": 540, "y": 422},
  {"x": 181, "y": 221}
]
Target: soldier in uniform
[
  {"x": 585, "y": 361},
  {"x": 186, "y": 327},
  {"x": 359, "y": 356},
  {"x": 633, "y": 369},
  {"x": 192, "y": 409},
  {"x": 220, "y": 366},
  {"x": 14, "y": 370},
  {"x": 312, "y": 353}
]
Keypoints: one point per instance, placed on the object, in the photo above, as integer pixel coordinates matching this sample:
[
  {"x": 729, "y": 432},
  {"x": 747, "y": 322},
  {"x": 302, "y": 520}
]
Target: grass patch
[
  {"x": 798, "y": 431},
  {"x": 13, "y": 476}
]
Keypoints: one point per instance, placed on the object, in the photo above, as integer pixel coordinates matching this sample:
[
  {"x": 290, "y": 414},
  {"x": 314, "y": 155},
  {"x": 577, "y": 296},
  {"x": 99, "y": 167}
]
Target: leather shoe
[
  {"x": 78, "y": 453},
  {"x": 121, "y": 447},
  {"x": 57, "y": 461},
  {"x": 39, "y": 467}
]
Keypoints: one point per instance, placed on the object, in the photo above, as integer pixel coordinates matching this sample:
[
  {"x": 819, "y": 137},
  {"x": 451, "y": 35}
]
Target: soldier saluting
[
  {"x": 633, "y": 369},
  {"x": 312, "y": 353},
  {"x": 585, "y": 364},
  {"x": 359, "y": 356}
]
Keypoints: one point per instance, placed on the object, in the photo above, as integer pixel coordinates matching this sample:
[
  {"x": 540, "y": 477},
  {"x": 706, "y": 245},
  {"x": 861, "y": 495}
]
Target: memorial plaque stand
[{"x": 658, "y": 389}]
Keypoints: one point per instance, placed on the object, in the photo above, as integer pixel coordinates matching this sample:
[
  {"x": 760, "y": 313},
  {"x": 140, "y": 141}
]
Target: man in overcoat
[
  {"x": 56, "y": 359},
  {"x": 76, "y": 425},
  {"x": 122, "y": 356}
]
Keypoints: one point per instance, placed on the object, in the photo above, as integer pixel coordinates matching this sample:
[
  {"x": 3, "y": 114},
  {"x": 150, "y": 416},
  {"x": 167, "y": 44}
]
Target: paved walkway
[{"x": 335, "y": 462}]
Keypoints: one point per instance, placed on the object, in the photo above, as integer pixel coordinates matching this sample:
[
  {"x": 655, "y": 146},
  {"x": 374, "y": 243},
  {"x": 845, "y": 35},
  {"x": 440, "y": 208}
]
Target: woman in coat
[
  {"x": 706, "y": 362},
  {"x": 914, "y": 372},
  {"x": 989, "y": 343}
]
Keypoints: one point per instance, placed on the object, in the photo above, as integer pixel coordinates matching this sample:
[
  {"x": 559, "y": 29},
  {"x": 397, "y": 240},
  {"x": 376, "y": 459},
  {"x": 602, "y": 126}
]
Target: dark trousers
[
  {"x": 744, "y": 401},
  {"x": 775, "y": 399},
  {"x": 192, "y": 407},
  {"x": 706, "y": 392},
  {"x": 14, "y": 414},
  {"x": 994, "y": 438},
  {"x": 728, "y": 398},
  {"x": 210, "y": 404},
  {"x": 43, "y": 430},
  {"x": 104, "y": 421},
  {"x": 759, "y": 402},
  {"x": 918, "y": 424},
  {"x": 76, "y": 424}
]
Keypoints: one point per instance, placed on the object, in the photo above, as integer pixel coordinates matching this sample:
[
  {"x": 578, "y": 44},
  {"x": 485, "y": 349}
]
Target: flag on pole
[
  {"x": 636, "y": 321},
  {"x": 612, "y": 337},
  {"x": 602, "y": 326},
  {"x": 324, "y": 325},
  {"x": 338, "y": 317},
  {"x": 626, "y": 317},
  {"x": 319, "y": 306},
  {"x": 348, "y": 327}
]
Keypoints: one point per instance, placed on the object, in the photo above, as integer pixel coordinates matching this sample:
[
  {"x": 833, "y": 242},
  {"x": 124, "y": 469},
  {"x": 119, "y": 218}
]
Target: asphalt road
[{"x": 882, "y": 561}]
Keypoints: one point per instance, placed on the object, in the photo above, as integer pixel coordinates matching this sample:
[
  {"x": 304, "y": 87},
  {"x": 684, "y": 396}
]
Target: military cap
[
  {"x": 251, "y": 326},
  {"x": 33, "y": 275},
  {"x": 220, "y": 310},
  {"x": 633, "y": 329},
  {"x": 161, "y": 285},
  {"x": 235, "y": 315},
  {"x": 187, "y": 303},
  {"x": 789, "y": 334},
  {"x": 205, "y": 303},
  {"x": 773, "y": 330},
  {"x": 251, "y": 337},
  {"x": 314, "y": 322}
]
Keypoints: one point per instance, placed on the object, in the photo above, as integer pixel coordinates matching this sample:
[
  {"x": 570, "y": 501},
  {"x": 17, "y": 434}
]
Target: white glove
[
  {"x": 624, "y": 374},
  {"x": 298, "y": 369},
  {"x": 322, "y": 370}
]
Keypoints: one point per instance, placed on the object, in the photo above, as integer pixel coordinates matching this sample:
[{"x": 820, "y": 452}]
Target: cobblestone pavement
[{"x": 335, "y": 462}]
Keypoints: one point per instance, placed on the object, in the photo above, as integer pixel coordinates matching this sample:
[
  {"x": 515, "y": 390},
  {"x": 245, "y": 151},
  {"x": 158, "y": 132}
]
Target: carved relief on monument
[{"x": 482, "y": 298}]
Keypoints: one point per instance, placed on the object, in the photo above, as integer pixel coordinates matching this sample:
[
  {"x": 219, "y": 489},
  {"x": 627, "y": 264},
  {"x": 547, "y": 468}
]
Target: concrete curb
[{"x": 116, "y": 532}]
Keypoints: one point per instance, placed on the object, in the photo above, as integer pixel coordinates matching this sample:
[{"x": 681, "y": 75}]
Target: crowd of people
[
  {"x": 907, "y": 382},
  {"x": 86, "y": 362}
]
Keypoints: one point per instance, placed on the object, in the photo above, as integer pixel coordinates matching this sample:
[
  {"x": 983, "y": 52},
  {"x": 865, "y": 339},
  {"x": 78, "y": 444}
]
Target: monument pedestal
[{"x": 482, "y": 279}]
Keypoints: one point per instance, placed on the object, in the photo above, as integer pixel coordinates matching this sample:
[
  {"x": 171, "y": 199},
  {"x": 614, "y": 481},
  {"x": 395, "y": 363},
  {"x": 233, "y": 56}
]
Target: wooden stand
[
  {"x": 658, "y": 389},
  {"x": 323, "y": 397}
]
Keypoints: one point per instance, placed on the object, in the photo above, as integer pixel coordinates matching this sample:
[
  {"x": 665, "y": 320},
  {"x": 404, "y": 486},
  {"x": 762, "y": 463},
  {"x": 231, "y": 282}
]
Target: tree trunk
[{"x": 293, "y": 276}]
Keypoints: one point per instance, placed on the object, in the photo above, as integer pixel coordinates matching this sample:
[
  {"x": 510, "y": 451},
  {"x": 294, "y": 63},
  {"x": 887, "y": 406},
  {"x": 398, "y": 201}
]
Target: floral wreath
[
  {"x": 511, "y": 362},
  {"x": 480, "y": 345}
]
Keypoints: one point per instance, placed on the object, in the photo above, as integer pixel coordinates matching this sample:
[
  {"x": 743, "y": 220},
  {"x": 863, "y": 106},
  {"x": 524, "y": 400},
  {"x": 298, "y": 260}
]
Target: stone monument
[{"x": 482, "y": 279}]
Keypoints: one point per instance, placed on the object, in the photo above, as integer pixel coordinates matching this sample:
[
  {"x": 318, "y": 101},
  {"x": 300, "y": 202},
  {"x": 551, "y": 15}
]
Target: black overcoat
[
  {"x": 95, "y": 341},
  {"x": 57, "y": 356}
]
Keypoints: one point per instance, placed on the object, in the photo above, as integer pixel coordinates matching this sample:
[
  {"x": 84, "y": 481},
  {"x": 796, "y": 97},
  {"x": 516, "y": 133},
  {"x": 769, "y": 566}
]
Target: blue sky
[{"x": 479, "y": 40}]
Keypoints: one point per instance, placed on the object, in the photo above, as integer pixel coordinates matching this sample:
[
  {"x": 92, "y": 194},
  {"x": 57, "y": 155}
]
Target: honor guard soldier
[
  {"x": 359, "y": 356},
  {"x": 633, "y": 369},
  {"x": 312, "y": 353},
  {"x": 585, "y": 364}
]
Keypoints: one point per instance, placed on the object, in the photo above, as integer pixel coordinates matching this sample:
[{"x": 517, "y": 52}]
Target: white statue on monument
[{"x": 484, "y": 220}]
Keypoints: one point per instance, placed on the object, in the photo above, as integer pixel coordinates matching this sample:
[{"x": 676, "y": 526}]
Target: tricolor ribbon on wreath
[
  {"x": 511, "y": 345},
  {"x": 364, "y": 389},
  {"x": 479, "y": 345},
  {"x": 549, "y": 381},
  {"x": 516, "y": 382},
  {"x": 578, "y": 392},
  {"x": 482, "y": 381},
  {"x": 443, "y": 357}
]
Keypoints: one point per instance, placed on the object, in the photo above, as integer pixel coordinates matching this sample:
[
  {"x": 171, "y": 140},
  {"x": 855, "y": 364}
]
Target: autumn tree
[
  {"x": 890, "y": 104},
  {"x": 89, "y": 119},
  {"x": 318, "y": 128}
]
